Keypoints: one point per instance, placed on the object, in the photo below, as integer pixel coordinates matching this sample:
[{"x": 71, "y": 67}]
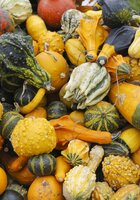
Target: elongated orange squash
[
  {"x": 126, "y": 98},
  {"x": 66, "y": 130}
]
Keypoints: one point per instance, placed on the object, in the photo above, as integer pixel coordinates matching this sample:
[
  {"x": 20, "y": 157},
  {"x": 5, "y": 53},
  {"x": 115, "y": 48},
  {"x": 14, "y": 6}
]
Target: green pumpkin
[
  {"x": 56, "y": 109},
  {"x": 24, "y": 95},
  {"x": 9, "y": 121},
  {"x": 102, "y": 116},
  {"x": 42, "y": 165}
]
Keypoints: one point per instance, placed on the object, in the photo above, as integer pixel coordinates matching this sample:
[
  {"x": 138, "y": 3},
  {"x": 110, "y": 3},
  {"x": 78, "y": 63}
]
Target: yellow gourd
[
  {"x": 134, "y": 48},
  {"x": 3, "y": 180},
  {"x": 62, "y": 167},
  {"x": 77, "y": 116},
  {"x": 92, "y": 36},
  {"x": 35, "y": 27}
]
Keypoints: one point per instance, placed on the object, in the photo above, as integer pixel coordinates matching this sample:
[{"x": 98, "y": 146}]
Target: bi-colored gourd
[
  {"x": 131, "y": 137},
  {"x": 102, "y": 116},
  {"x": 89, "y": 83},
  {"x": 78, "y": 155},
  {"x": 42, "y": 165},
  {"x": 116, "y": 43},
  {"x": 9, "y": 121},
  {"x": 126, "y": 98}
]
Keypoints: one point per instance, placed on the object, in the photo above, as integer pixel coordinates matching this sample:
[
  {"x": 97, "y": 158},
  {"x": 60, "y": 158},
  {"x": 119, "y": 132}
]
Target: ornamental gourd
[
  {"x": 28, "y": 132},
  {"x": 89, "y": 83}
]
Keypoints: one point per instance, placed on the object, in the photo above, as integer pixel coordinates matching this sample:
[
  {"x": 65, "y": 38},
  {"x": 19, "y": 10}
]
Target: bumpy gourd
[
  {"x": 79, "y": 183},
  {"x": 89, "y": 83},
  {"x": 33, "y": 136},
  {"x": 77, "y": 152},
  {"x": 119, "y": 175}
]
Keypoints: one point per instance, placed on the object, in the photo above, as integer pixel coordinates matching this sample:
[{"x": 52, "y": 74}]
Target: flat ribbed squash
[
  {"x": 126, "y": 97},
  {"x": 102, "y": 116}
]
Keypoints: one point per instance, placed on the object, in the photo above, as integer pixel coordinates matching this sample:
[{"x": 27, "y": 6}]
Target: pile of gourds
[{"x": 69, "y": 101}]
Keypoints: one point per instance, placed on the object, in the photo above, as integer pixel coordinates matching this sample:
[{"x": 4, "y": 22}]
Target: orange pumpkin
[
  {"x": 3, "y": 180},
  {"x": 45, "y": 188},
  {"x": 56, "y": 65},
  {"x": 38, "y": 112}
]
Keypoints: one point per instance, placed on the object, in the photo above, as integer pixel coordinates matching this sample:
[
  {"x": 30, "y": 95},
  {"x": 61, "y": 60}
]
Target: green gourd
[{"x": 42, "y": 165}]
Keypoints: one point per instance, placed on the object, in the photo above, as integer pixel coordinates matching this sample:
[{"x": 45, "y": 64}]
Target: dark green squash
[
  {"x": 24, "y": 95},
  {"x": 9, "y": 121},
  {"x": 42, "y": 165},
  {"x": 117, "y": 147},
  {"x": 102, "y": 116},
  {"x": 17, "y": 60},
  {"x": 115, "y": 13},
  {"x": 11, "y": 195},
  {"x": 56, "y": 109},
  {"x": 7, "y": 107},
  {"x": 117, "y": 42},
  {"x": 5, "y": 96}
]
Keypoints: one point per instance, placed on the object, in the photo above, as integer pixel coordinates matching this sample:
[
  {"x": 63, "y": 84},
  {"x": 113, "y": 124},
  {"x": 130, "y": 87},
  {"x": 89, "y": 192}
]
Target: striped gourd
[
  {"x": 9, "y": 121},
  {"x": 102, "y": 116},
  {"x": 17, "y": 59},
  {"x": 89, "y": 83},
  {"x": 24, "y": 95},
  {"x": 42, "y": 165}
]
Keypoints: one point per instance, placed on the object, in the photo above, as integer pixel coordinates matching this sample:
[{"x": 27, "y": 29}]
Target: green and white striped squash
[
  {"x": 42, "y": 165},
  {"x": 8, "y": 123},
  {"x": 102, "y": 116},
  {"x": 89, "y": 83}
]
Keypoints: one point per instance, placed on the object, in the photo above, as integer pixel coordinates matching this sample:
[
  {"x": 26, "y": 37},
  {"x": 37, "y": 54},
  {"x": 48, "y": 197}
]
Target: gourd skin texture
[
  {"x": 119, "y": 175},
  {"x": 33, "y": 136},
  {"x": 79, "y": 183}
]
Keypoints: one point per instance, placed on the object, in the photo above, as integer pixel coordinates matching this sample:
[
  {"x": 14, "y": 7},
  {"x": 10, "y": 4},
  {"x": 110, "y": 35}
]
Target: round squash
[
  {"x": 77, "y": 116},
  {"x": 33, "y": 136},
  {"x": 102, "y": 116},
  {"x": 56, "y": 65},
  {"x": 56, "y": 109},
  {"x": 3, "y": 180},
  {"x": 42, "y": 165},
  {"x": 9, "y": 121},
  {"x": 136, "y": 157},
  {"x": 45, "y": 188},
  {"x": 11, "y": 195},
  {"x": 38, "y": 112}
]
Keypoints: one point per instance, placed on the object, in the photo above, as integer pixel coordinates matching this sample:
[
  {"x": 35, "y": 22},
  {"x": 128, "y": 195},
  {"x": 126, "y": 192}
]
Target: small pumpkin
[
  {"x": 38, "y": 112},
  {"x": 77, "y": 116},
  {"x": 76, "y": 152},
  {"x": 42, "y": 165},
  {"x": 56, "y": 65},
  {"x": 45, "y": 188},
  {"x": 56, "y": 109},
  {"x": 136, "y": 157}
]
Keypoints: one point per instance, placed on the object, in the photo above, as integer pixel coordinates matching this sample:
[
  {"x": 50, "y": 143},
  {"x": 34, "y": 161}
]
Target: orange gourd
[
  {"x": 56, "y": 65},
  {"x": 45, "y": 188},
  {"x": 126, "y": 98},
  {"x": 136, "y": 157},
  {"x": 66, "y": 130},
  {"x": 38, "y": 112},
  {"x": 3, "y": 180}
]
